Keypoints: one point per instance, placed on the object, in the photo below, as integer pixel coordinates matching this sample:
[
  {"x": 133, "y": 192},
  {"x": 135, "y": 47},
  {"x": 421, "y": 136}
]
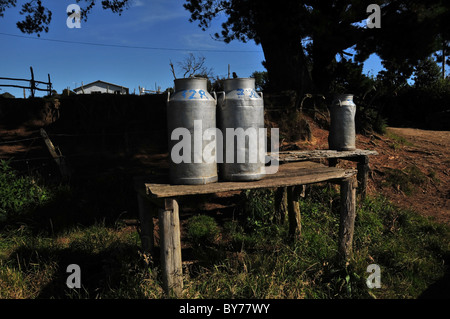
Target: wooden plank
[
  {"x": 170, "y": 244},
  {"x": 58, "y": 158},
  {"x": 289, "y": 175},
  {"x": 292, "y": 156}
]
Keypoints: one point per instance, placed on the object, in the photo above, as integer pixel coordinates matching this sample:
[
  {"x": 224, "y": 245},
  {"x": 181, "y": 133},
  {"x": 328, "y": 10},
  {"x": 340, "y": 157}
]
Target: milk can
[
  {"x": 342, "y": 136},
  {"x": 191, "y": 110},
  {"x": 241, "y": 121}
]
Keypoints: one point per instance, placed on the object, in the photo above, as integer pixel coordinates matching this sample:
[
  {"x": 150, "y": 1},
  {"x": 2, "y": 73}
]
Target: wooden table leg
[
  {"x": 170, "y": 244},
  {"x": 281, "y": 205},
  {"x": 146, "y": 223},
  {"x": 363, "y": 172},
  {"x": 332, "y": 162},
  {"x": 347, "y": 218},
  {"x": 294, "y": 216}
]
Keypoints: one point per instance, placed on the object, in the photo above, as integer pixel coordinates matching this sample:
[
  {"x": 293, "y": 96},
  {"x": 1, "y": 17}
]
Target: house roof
[{"x": 85, "y": 85}]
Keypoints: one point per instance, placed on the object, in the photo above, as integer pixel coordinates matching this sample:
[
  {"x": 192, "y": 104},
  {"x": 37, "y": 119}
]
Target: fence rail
[{"x": 33, "y": 84}]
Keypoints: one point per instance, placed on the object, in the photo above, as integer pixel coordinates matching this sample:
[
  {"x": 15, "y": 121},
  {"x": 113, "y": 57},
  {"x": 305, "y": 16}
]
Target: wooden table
[
  {"x": 156, "y": 194},
  {"x": 361, "y": 157}
]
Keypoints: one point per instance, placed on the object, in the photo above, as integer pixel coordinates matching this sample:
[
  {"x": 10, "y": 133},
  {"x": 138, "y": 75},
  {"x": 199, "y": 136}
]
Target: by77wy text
[{"x": 240, "y": 308}]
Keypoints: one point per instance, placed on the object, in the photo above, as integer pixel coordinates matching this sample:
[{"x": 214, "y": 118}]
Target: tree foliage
[
  {"x": 37, "y": 16},
  {"x": 301, "y": 39},
  {"x": 427, "y": 73}
]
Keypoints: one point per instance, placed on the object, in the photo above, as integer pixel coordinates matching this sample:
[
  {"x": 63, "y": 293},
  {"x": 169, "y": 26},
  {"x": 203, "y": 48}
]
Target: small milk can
[{"x": 342, "y": 136}]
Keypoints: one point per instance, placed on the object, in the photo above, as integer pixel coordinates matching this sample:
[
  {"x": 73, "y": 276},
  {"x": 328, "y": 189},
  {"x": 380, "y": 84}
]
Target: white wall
[{"x": 101, "y": 87}]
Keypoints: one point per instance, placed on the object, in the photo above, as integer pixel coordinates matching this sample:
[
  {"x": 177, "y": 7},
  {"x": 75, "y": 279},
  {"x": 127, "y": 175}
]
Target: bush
[
  {"x": 18, "y": 193},
  {"x": 202, "y": 229}
]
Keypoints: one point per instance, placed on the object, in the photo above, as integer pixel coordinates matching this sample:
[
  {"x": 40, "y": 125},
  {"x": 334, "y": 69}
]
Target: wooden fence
[{"x": 33, "y": 84}]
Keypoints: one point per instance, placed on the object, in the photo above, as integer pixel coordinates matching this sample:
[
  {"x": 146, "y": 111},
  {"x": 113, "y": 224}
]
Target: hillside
[{"x": 426, "y": 190}]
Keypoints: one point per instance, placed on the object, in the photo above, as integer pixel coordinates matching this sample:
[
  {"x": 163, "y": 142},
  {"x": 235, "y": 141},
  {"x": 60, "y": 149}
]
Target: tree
[
  {"x": 261, "y": 80},
  {"x": 427, "y": 73},
  {"x": 38, "y": 17},
  {"x": 442, "y": 57},
  {"x": 301, "y": 39},
  {"x": 262, "y": 22},
  {"x": 193, "y": 66}
]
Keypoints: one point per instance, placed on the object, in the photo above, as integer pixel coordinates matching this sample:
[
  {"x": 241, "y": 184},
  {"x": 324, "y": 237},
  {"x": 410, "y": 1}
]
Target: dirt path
[
  {"x": 438, "y": 141},
  {"x": 405, "y": 148}
]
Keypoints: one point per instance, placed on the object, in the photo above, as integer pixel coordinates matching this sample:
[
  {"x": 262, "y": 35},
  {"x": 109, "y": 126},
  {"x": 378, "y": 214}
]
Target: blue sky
[{"x": 159, "y": 24}]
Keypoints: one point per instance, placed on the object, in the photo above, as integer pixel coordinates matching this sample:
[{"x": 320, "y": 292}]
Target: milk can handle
[
  {"x": 213, "y": 93},
  {"x": 222, "y": 93},
  {"x": 261, "y": 94},
  {"x": 340, "y": 102}
]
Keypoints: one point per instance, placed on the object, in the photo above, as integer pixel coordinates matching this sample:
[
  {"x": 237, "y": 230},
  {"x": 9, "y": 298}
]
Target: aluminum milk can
[
  {"x": 342, "y": 136},
  {"x": 241, "y": 121},
  {"x": 191, "y": 110}
]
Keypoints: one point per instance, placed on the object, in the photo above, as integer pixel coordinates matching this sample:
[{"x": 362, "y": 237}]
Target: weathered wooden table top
[
  {"x": 289, "y": 174},
  {"x": 292, "y": 156}
]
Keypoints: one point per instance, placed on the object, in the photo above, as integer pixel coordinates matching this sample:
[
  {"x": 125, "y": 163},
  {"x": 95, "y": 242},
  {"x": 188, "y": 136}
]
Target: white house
[{"x": 101, "y": 87}]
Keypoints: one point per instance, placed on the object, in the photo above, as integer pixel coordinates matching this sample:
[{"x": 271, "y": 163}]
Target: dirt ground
[
  {"x": 427, "y": 150},
  {"x": 430, "y": 152}
]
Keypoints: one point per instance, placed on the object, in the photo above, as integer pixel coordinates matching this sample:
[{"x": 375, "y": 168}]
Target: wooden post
[
  {"x": 293, "y": 195},
  {"x": 49, "y": 86},
  {"x": 332, "y": 162},
  {"x": 32, "y": 83},
  {"x": 363, "y": 172},
  {"x": 146, "y": 223},
  {"x": 281, "y": 205},
  {"x": 170, "y": 245},
  {"x": 59, "y": 159},
  {"x": 347, "y": 218}
]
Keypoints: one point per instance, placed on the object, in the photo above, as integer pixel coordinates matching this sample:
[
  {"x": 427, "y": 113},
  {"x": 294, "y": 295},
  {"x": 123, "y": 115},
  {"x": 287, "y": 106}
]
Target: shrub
[
  {"x": 202, "y": 229},
  {"x": 18, "y": 193}
]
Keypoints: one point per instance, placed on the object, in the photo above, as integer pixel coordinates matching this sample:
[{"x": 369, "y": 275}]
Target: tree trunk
[
  {"x": 286, "y": 65},
  {"x": 322, "y": 72}
]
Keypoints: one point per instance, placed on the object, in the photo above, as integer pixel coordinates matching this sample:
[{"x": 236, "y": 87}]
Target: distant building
[{"x": 101, "y": 87}]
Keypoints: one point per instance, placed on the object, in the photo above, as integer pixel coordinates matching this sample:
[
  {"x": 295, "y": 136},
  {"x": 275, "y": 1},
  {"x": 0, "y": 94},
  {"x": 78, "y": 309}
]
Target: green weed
[
  {"x": 202, "y": 229},
  {"x": 406, "y": 180},
  {"x": 398, "y": 141},
  {"x": 18, "y": 194}
]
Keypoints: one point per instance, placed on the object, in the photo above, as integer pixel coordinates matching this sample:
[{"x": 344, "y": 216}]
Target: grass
[
  {"x": 406, "y": 180},
  {"x": 398, "y": 141},
  {"x": 243, "y": 255}
]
